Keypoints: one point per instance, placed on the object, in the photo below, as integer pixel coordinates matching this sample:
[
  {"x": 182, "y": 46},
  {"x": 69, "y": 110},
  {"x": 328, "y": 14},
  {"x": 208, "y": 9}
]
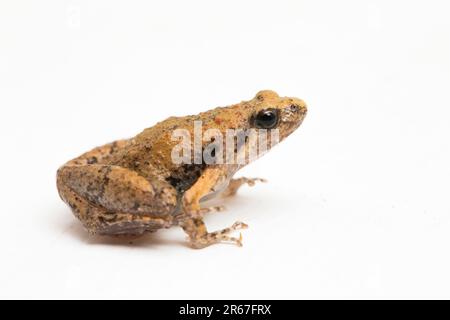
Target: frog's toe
[
  {"x": 239, "y": 226},
  {"x": 235, "y": 184},
  {"x": 218, "y": 209},
  {"x": 252, "y": 181}
]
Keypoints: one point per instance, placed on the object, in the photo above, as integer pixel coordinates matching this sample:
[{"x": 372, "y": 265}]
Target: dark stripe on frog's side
[{"x": 185, "y": 176}]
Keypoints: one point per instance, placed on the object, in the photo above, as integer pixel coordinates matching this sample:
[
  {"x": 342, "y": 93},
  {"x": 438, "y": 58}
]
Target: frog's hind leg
[
  {"x": 199, "y": 237},
  {"x": 103, "y": 194},
  {"x": 98, "y": 220},
  {"x": 235, "y": 184},
  {"x": 110, "y": 199}
]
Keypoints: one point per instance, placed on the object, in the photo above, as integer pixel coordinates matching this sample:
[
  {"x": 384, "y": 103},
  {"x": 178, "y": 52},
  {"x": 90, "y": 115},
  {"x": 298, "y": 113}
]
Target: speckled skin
[{"x": 129, "y": 187}]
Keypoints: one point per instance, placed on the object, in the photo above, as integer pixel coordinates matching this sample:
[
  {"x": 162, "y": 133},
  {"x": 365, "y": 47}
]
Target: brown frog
[{"x": 134, "y": 186}]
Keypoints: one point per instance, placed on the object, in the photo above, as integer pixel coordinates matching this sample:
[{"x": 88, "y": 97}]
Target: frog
[{"x": 133, "y": 186}]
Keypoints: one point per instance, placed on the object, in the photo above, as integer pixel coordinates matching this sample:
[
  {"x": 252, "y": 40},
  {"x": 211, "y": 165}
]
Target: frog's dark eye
[{"x": 266, "y": 119}]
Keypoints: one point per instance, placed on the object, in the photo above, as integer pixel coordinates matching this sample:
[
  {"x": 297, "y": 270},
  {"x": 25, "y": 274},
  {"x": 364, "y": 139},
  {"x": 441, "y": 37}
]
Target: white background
[{"x": 357, "y": 204}]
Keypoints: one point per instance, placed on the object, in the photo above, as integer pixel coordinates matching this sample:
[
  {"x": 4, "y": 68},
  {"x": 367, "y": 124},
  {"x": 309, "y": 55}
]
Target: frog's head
[{"x": 270, "y": 111}]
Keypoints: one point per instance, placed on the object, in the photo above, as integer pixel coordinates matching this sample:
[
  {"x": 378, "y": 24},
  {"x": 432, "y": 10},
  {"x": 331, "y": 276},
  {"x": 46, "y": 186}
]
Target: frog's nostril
[{"x": 294, "y": 108}]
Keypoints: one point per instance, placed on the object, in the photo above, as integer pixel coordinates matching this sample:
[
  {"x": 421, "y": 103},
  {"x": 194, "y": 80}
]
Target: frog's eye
[{"x": 266, "y": 119}]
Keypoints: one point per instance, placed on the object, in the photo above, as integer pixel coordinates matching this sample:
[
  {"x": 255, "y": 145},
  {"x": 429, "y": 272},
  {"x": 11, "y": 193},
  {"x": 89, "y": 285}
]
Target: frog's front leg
[
  {"x": 235, "y": 184},
  {"x": 191, "y": 220},
  {"x": 205, "y": 185}
]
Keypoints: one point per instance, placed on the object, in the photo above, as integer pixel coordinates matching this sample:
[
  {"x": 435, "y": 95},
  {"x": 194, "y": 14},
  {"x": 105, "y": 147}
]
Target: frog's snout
[
  {"x": 297, "y": 110},
  {"x": 292, "y": 116}
]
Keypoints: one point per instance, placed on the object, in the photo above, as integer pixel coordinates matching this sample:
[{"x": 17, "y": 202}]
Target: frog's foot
[
  {"x": 235, "y": 184},
  {"x": 200, "y": 238},
  {"x": 220, "y": 236}
]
